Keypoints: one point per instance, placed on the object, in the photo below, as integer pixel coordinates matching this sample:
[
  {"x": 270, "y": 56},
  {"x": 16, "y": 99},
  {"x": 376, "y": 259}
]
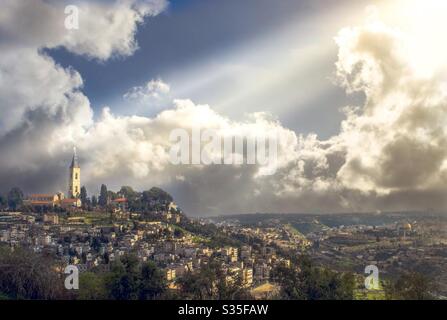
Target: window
[{"x": 76, "y": 176}]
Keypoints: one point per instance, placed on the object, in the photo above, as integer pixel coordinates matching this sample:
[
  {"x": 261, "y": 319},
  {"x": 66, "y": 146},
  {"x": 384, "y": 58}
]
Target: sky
[
  {"x": 212, "y": 52},
  {"x": 355, "y": 90}
]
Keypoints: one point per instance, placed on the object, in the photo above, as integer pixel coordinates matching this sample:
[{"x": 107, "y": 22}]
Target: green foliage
[
  {"x": 26, "y": 275},
  {"x": 215, "y": 237},
  {"x": 308, "y": 282},
  {"x": 112, "y": 195},
  {"x": 152, "y": 283},
  {"x": 94, "y": 201},
  {"x": 221, "y": 240},
  {"x": 133, "y": 198},
  {"x": 15, "y": 198},
  {"x": 129, "y": 193},
  {"x": 3, "y": 201},
  {"x": 4, "y": 296},
  {"x": 157, "y": 194},
  {"x": 210, "y": 283},
  {"x": 148, "y": 201},
  {"x": 121, "y": 284},
  {"x": 410, "y": 286},
  {"x": 178, "y": 233},
  {"x": 84, "y": 198},
  {"x": 129, "y": 280},
  {"x": 92, "y": 287},
  {"x": 103, "y": 197}
]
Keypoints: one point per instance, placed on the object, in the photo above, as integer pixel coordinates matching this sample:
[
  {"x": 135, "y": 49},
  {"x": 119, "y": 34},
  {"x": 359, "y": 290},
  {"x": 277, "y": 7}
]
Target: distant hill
[{"x": 307, "y": 223}]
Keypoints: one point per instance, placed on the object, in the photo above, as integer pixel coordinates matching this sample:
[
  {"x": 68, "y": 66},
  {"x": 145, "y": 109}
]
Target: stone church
[{"x": 74, "y": 190}]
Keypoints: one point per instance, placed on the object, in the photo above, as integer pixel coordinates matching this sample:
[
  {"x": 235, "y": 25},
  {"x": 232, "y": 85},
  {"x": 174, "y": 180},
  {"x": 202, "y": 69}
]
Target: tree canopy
[
  {"x": 410, "y": 286},
  {"x": 308, "y": 282},
  {"x": 26, "y": 275},
  {"x": 103, "y": 196},
  {"x": 15, "y": 198}
]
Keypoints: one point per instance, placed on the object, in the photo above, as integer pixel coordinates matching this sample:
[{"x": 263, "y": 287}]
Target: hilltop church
[
  {"x": 74, "y": 178},
  {"x": 74, "y": 190}
]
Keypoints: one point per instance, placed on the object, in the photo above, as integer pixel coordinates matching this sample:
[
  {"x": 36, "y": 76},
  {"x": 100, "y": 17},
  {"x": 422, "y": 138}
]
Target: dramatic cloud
[
  {"x": 42, "y": 109},
  {"x": 106, "y": 28},
  {"x": 154, "y": 89},
  {"x": 389, "y": 154},
  {"x": 154, "y": 94},
  {"x": 397, "y": 141}
]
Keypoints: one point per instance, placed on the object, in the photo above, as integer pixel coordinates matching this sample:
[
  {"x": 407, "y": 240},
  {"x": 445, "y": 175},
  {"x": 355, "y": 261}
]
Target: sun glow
[{"x": 424, "y": 22}]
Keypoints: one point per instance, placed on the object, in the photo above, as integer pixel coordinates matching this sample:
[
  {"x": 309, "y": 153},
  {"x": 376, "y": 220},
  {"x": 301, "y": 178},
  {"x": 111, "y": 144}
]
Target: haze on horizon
[{"x": 356, "y": 89}]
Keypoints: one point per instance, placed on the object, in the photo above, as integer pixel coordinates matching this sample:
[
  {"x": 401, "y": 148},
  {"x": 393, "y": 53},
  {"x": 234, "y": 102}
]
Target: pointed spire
[{"x": 74, "y": 161}]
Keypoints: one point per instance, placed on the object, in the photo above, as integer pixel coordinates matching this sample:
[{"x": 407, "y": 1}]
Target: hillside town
[
  {"x": 395, "y": 242},
  {"x": 93, "y": 233}
]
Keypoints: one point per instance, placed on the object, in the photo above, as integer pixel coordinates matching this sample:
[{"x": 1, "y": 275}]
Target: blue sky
[{"x": 202, "y": 49}]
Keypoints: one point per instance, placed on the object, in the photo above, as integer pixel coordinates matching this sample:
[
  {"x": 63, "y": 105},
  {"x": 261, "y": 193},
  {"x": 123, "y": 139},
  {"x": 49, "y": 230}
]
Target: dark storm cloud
[{"x": 27, "y": 160}]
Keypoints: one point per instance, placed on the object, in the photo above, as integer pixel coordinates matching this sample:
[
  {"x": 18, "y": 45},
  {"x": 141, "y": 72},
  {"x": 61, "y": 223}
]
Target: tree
[
  {"x": 178, "y": 233},
  {"x": 112, "y": 195},
  {"x": 103, "y": 197},
  {"x": 94, "y": 201},
  {"x": 410, "y": 286},
  {"x": 15, "y": 198},
  {"x": 128, "y": 192},
  {"x": 152, "y": 283},
  {"x": 121, "y": 284},
  {"x": 129, "y": 280},
  {"x": 157, "y": 194},
  {"x": 198, "y": 285},
  {"x": 91, "y": 287},
  {"x": 83, "y": 196},
  {"x": 308, "y": 282},
  {"x": 3, "y": 201},
  {"x": 133, "y": 198},
  {"x": 106, "y": 258},
  {"x": 211, "y": 282},
  {"x": 26, "y": 275}
]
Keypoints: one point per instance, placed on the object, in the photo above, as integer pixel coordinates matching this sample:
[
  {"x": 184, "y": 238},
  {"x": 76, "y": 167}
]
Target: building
[
  {"x": 172, "y": 206},
  {"x": 170, "y": 274},
  {"x": 262, "y": 272},
  {"x": 70, "y": 203},
  {"x": 231, "y": 253},
  {"x": 51, "y": 218},
  {"x": 74, "y": 179},
  {"x": 265, "y": 291},
  {"x": 179, "y": 270},
  {"x": 403, "y": 229},
  {"x": 120, "y": 204},
  {"x": 58, "y": 199},
  {"x": 42, "y": 200},
  {"x": 246, "y": 252},
  {"x": 247, "y": 277}
]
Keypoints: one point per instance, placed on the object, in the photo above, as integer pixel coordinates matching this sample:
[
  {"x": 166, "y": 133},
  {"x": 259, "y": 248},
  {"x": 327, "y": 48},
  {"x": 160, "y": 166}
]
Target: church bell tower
[{"x": 74, "y": 185}]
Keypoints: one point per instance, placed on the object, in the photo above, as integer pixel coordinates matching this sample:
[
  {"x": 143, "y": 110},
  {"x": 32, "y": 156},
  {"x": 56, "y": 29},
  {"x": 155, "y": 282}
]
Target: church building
[
  {"x": 74, "y": 179},
  {"x": 74, "y": 191}
]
